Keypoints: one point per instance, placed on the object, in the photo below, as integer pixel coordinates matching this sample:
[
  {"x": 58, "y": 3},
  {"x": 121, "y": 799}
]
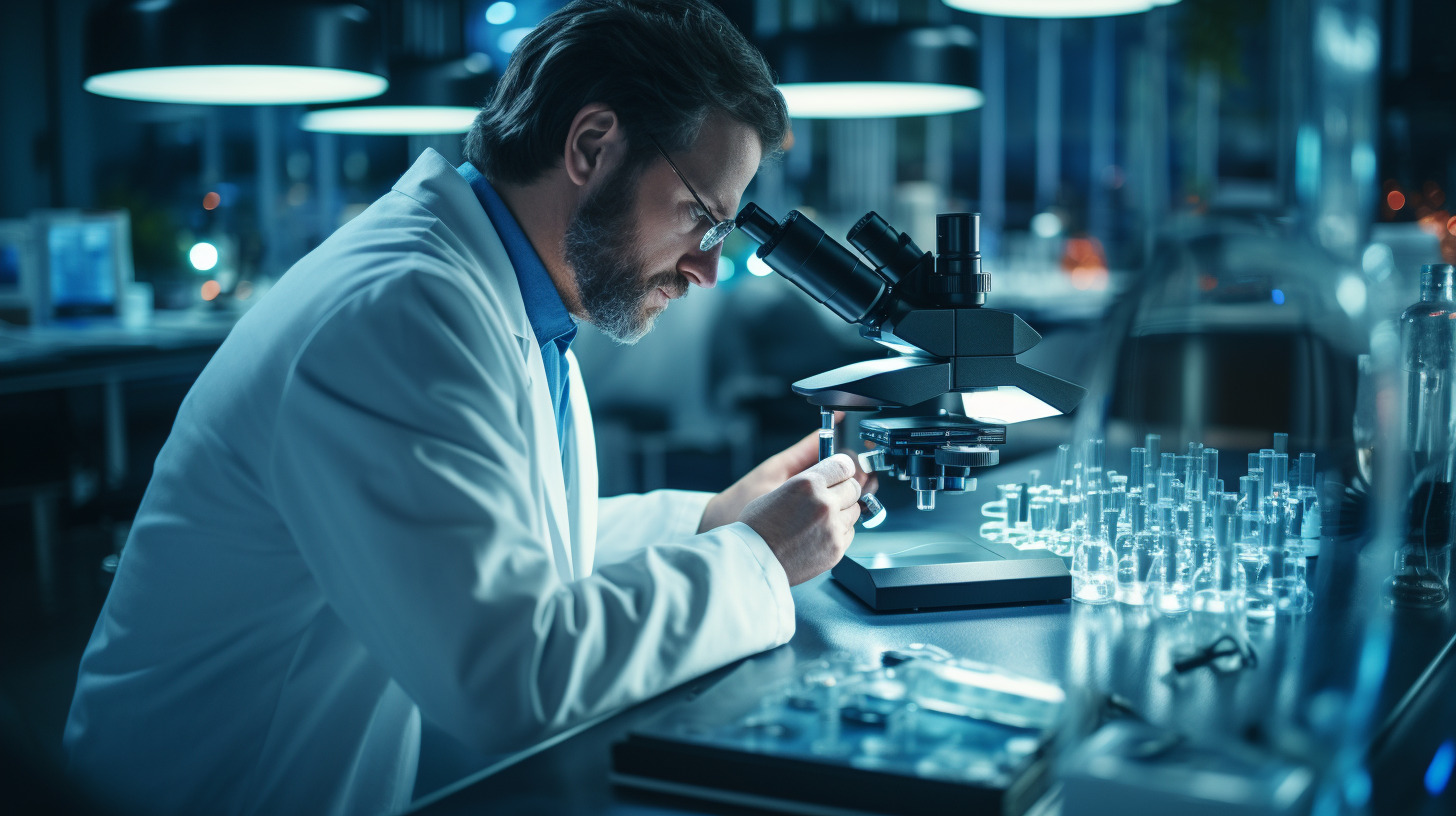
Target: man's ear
[{"x": 595, "y": 144}]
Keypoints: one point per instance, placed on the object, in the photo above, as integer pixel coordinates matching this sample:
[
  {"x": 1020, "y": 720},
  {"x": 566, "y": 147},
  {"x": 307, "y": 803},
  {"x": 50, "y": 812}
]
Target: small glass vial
[
  {"x": 1172, "y": 592},
  {"x": 1134, "y": 557},
  {"x": 1305, "y": 516}
]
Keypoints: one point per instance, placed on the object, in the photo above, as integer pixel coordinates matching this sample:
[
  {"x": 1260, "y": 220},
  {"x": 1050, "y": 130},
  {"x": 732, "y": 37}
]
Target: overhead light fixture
[
  {"x": 1056, "y": 8},
  {"x": 872, "y": 71},
  {"x": 231, "y": 52},
  {"x": 423, "y": 98}
]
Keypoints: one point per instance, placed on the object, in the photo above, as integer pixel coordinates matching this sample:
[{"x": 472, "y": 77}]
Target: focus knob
[{"x": 966, "y": 456}]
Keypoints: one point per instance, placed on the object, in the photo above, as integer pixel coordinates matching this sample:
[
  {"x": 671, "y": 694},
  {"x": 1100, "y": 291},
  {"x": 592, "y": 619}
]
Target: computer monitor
[
  {"x": 83, "y": 264},
  {"x": 17, "y": 267}
]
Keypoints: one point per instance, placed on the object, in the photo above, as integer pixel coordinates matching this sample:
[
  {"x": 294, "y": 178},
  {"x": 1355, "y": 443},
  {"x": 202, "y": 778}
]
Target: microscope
[{"x": 928, "y": 309}]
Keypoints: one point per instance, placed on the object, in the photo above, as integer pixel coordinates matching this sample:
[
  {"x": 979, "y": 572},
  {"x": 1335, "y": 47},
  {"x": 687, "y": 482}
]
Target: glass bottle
[
  {"x": 1423, "y": 561},
  {"x": 1219, "y": 586}
]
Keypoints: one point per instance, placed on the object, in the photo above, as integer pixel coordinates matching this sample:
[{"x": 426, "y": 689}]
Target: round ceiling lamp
[
  {"x": 423, "y": 98},
  {"x": 870, "y": 71},
  {"x": 231, "y": 52},
  {"x": 1057, "y": 8}
]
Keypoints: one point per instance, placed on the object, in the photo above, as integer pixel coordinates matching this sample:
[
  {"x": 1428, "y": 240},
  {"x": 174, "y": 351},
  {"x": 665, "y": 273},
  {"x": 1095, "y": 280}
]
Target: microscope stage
[{"x": 898, "y": 571}]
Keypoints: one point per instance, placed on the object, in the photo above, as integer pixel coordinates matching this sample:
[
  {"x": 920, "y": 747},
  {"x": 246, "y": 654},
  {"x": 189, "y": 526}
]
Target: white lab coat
[{"x": 361, "y": 517}]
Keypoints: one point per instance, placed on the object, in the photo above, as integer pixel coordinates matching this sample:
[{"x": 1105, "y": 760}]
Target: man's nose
[{"x": 701, "y": 268}]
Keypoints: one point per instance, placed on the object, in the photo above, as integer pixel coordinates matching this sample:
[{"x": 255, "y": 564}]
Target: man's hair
[{"x": 661, "y": 66}]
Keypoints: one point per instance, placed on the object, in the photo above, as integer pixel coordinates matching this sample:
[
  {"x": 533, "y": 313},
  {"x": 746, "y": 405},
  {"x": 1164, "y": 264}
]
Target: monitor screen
[
  {"x": 14, "y": 250},
  {"x": 9, "y": 266},
  {"x": 82, "y": 257}
]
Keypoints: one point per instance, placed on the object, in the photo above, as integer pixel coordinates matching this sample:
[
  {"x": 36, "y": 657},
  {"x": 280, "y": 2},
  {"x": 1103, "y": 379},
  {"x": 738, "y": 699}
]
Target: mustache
[{"x": 675, "y": 284}]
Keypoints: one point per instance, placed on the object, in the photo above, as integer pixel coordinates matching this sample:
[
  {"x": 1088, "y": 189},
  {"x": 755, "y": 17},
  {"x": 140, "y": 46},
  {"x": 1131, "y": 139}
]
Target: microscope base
[{"x": 900, "y": 571}]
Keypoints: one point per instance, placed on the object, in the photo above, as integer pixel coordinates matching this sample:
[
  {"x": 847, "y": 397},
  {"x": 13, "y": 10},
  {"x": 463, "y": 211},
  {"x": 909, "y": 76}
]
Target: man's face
[{"x": 633, "y": 242}]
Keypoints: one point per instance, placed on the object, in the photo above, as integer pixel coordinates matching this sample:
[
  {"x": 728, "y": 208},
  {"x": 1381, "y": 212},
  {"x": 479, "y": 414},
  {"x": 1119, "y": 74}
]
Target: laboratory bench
[
  {"x": 89, "y": 367},
  {"x": 1107, "y": 655}
]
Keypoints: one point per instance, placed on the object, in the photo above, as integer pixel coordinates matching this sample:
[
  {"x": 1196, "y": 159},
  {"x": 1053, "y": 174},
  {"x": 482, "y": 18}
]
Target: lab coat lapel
[
  {"x": 546, "y": 449},
  {"x": 434, "y": 183},
  {"x": 581, "y": 473}
]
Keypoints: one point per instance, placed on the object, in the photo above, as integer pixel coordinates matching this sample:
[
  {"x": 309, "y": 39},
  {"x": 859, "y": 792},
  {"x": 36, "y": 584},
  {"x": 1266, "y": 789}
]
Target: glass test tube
[
  {"x": 1210, "y": 470},
  {"x": 1138, "y": 464},
  {"x": 1132, "y": 556},
  {"x": 1096, "y": 462},
  {"x": 871, "y": 512},
  {"x": 1306, "y": 507},
  {"x": 1171, "y": 589}
]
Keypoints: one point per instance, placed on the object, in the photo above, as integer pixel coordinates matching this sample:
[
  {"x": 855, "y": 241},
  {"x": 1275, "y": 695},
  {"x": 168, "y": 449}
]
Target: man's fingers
[
  {"x": 832, "y": 471},
  {"x": 847, "y": 493}
]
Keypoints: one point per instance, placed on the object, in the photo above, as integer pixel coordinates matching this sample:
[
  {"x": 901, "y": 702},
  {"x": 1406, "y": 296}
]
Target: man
[{"x": 378, "y": 502}]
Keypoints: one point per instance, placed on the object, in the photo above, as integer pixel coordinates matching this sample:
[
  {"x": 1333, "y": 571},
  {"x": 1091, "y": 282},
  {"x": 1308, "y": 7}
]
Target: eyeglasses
[{"x": 720, "y": 229}]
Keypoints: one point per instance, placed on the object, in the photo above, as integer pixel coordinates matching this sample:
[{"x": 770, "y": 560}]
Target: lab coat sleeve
[
  {"x": 621, "y": 532},
  {"x": 400, "y": 465}
]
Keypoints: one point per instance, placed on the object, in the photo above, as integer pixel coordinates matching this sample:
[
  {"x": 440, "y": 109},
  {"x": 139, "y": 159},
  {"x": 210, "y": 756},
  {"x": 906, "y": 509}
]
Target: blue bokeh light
[{"x": 1438, "y": 774}]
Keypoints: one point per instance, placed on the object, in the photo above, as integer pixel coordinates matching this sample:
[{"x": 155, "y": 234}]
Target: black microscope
[{"x": 928, "y": 309}]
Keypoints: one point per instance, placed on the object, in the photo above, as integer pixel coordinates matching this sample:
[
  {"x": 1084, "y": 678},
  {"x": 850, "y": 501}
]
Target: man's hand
[
  {"x": 727, "y": 507},
  {"x": 808, "y": 521}
]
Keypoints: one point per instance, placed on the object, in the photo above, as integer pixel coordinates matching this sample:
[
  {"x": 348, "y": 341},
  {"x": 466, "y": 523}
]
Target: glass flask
[{"x": 1094, "y": 567}]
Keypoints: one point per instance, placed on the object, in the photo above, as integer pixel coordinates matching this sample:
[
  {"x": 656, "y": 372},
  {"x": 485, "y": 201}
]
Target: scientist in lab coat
[{"x": 379, "y": 501}]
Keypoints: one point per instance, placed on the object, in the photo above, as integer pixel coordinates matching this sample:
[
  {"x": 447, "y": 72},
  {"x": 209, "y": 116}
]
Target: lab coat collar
[{"x": 434, "y": 183}]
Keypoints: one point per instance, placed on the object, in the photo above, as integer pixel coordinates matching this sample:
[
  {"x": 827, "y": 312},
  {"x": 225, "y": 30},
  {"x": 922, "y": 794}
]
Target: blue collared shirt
[{"x": 547, "y": 315}]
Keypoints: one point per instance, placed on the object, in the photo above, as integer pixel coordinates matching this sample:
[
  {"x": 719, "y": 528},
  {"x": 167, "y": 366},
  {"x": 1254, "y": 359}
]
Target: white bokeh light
[
  {"x": 390, "y": 119},
  {"x": 203, "y": 256},
  {"x": 500, "y": 13},
  {"x": 1056, "y": 8},
  {"x": 854, "y": 100},
  {"x": 1046, "y": 225},
  {"x": 511, "y": 38},
  {"x": 1351, "y": 295},
  {"x": 238, "y": 84}
]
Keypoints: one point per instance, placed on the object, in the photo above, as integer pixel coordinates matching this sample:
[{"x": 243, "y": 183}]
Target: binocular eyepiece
[{"x": 859, "y": 293}]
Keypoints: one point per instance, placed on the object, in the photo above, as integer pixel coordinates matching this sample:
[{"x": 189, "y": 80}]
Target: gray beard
[{"x": 599, "y": 246}]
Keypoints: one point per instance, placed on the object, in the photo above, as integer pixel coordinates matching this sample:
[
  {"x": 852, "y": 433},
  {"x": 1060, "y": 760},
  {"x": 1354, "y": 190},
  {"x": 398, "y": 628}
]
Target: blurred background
[{"x": 1236, "y": 143}]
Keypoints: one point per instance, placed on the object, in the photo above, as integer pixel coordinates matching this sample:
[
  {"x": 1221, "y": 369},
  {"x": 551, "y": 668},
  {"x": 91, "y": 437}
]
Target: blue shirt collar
[{"x": 544, "y": 310}]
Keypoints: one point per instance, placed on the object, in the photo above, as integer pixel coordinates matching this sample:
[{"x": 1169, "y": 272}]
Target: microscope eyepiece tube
[
  {"x": 759, "y": 225},
  {"x": 893, "y": 252},
  {"x": 959, "y": 277},
  {"x": 800, "y": 251}
]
